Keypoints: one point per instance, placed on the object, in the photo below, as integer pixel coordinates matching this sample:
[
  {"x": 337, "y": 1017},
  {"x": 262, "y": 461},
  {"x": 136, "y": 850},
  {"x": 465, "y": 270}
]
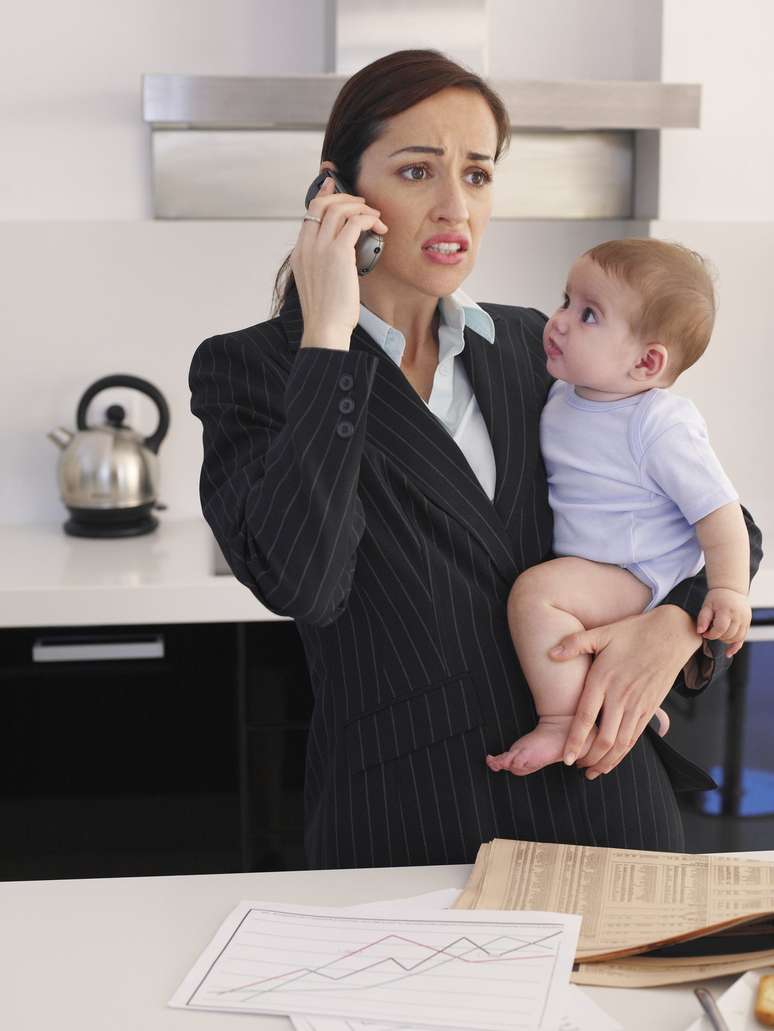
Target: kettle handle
[{"x": 121, "y": 379}]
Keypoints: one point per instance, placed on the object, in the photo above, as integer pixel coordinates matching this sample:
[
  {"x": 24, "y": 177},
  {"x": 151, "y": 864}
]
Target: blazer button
[
  {"x": 346, "y": 382},
  {"x": 344, "y": 428},
  {"x": 346, "y": 405}
]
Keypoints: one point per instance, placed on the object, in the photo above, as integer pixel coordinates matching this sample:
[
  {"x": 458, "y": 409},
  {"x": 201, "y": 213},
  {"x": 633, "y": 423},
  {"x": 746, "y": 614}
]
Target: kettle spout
[{"x": 60, "y": 436}]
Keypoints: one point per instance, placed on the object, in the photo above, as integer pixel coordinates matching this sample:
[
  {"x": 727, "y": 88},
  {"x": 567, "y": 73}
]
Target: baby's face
[{"x": 587, "y": 340}]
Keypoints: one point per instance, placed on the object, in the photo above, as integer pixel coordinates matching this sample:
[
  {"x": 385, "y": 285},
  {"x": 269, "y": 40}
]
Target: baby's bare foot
[{"x": 541, "y": 747}]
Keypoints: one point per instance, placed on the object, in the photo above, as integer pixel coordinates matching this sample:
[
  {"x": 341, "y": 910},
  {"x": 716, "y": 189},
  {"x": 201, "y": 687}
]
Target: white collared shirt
[{"x": 451, "y": 399}]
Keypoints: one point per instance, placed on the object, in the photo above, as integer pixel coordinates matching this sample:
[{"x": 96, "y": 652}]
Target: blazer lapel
[
  {"x": 402, "y": 426},
  {"x": 501, "y": 376}
]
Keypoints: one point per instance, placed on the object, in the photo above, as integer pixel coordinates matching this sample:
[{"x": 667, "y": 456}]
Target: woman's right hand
[{"x": 323, "y": 264}]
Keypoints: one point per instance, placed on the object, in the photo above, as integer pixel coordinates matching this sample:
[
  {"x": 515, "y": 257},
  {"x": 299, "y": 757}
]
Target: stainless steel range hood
[
  {"x": 243, "y": 147},
  {"x": 296, "y": 102}
]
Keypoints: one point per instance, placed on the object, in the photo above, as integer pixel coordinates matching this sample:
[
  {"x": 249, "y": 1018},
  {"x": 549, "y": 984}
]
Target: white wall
[
  {"x": 716, "y": 196},
  {"x": 557, "y": 39},
  {"x": 74, "y": 142},
  {"x": 724, "y": 172},
  {"x": 91, "y": 285}
]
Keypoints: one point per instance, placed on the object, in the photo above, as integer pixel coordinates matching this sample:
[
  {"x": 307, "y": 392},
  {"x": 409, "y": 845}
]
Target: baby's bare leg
[{"x": 548, "y": 602}]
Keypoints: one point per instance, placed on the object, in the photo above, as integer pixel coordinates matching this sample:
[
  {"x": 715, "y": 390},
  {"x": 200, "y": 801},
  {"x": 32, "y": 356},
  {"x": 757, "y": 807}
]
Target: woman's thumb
[{"x": 582, "y": 643}]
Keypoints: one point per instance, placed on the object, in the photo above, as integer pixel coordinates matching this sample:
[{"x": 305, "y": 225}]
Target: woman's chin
[
  {"x": 426, "y": 277},
  {"x": 440, "y": 280}
]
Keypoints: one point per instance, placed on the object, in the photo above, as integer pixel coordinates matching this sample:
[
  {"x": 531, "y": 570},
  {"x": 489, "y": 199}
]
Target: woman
[{"x": 372, "y": 469}]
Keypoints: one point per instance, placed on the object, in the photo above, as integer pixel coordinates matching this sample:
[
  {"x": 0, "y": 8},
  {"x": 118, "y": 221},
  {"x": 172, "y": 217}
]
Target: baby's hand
[{"x": 725, "y": 616}]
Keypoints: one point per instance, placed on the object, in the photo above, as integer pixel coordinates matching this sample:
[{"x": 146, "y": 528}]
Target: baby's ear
[{"x": 652, "y": 362}]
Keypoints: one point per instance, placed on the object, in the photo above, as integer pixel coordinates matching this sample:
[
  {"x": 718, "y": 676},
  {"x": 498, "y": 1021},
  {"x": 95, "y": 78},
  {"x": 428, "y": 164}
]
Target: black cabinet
[
  {"x": 275, "y": 703},
  {"x": 138, "y": 750},
  {"x": 728, "y": 730}
]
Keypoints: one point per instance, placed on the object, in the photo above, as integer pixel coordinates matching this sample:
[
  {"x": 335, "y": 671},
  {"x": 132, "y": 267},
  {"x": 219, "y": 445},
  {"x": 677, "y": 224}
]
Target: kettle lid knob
[{"x": 116, "y": 415}]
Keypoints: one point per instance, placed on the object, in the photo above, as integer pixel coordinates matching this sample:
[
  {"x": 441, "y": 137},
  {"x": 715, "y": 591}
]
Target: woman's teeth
[{"x": 444, "y": 248}]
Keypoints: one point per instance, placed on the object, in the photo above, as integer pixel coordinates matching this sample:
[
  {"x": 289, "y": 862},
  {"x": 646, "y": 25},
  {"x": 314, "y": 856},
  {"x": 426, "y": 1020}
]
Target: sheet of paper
[
  {"x": 444, "y": 968},
  {"x": 580, "y": 1012},
  {"x": 737, "y": 1004},
  {"x": 628, "y": 899},
  {"x": 444, "y": 898}
]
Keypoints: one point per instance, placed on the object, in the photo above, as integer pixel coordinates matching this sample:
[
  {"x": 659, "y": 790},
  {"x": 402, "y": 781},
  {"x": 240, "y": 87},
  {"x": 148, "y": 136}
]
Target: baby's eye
[
  {"x": 583, "y": 316},
  {"x": 565, "y": 302}
]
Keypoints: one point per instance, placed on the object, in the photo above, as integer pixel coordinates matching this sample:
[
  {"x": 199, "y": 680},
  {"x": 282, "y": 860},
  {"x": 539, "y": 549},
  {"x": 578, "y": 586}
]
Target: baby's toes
[{"x": 495, "y": 762}]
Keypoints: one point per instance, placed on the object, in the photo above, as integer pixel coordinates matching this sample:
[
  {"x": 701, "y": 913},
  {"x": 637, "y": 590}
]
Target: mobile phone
[{"x": 370, "y": 245}]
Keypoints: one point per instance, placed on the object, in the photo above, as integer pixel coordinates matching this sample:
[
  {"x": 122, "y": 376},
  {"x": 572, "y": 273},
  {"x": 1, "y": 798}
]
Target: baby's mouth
[{"x": 552, "y": 350}]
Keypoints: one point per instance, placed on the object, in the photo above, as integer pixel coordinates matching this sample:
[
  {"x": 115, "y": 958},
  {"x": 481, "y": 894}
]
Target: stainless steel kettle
[{"x": 109, "y": 475}]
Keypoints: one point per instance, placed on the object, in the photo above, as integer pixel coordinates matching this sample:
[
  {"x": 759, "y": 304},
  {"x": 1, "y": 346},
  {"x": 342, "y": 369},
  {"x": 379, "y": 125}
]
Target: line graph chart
[
  {"x": 459, "y": 949},
  {"x": 449, "y": 968}
]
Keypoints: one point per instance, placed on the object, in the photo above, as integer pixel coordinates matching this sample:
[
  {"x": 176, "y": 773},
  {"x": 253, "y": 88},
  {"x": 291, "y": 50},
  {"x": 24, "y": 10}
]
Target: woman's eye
[
  {"x": 423, "y": 170},
  {"x": 414, "y": 168},
  {"x": 589, "y": 311}
]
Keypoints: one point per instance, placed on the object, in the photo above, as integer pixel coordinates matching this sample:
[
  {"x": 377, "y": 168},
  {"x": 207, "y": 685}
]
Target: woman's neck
[{"x": 415, "y": 316}]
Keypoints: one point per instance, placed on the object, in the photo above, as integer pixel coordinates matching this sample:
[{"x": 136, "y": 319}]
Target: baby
[{"x": 639, "y": 498}]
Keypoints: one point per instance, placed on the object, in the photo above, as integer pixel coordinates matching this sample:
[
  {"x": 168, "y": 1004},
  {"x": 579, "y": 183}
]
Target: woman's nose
[{"x": 452, "y": 204}]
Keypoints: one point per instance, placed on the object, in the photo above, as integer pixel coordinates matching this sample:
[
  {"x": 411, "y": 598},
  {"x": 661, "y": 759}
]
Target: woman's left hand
[{"x": 636, "y": 663}]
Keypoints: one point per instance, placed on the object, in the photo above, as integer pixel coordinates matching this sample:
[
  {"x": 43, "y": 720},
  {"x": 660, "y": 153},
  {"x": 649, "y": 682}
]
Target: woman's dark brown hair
[{"x": 380, "y": 91}]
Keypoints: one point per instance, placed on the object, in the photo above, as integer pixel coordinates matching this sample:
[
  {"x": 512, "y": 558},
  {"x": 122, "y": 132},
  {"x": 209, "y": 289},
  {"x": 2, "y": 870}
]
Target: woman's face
[{"x": 430, "y": 175}]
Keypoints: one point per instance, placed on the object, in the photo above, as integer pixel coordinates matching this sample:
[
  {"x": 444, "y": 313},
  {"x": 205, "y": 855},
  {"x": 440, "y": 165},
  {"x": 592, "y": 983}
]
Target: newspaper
[
  {"x": 631, "y": 902},
  {"x": 651, "y": 971}
]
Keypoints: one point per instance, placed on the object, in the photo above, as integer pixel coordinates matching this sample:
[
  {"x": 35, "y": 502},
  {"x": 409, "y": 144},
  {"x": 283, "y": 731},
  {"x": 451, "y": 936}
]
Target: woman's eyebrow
[{"x": 440, "y": 151}]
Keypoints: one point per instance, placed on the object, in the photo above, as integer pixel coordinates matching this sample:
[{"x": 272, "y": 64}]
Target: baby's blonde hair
[{"x": 675, "y": 287}]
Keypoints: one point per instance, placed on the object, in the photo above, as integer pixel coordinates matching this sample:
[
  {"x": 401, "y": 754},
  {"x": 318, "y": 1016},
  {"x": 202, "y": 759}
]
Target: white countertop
[
  {"x": 50, "y": 579},
  {"x": 91, "y": 955}
]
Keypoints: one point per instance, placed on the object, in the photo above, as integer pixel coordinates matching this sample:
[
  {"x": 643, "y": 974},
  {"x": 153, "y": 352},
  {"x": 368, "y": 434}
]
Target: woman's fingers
[
  {"x": 333, "y": 221},
  {"x": 357, "y": 224},
  {"x": 327, "y": 204},
  {"x": 629, "y": 732},
  {"x": 325, "y": 196},
  {"x": 607, "y": 735},
  {"x": 585, "y": 717},
  {"x": 664, "y": 722}
]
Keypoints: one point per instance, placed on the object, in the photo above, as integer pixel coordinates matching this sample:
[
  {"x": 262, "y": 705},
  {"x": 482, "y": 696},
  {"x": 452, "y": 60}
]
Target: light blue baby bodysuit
[{"x": 628, "y": 479}]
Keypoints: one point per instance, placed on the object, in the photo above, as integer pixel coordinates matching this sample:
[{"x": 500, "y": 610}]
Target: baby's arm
[{"x": 726, "y": 613}]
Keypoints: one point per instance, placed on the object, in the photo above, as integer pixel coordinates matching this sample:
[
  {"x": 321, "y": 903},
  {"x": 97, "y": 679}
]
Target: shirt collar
[{"x": 457, "y": 310}]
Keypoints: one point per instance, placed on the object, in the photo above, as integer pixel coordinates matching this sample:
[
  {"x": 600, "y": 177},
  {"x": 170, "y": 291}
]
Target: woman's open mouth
[
  {"x": 443, "y": 257},
  {"x": 446, "y": 249}
]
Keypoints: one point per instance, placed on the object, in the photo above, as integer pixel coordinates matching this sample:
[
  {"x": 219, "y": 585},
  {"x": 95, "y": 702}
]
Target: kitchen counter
[
  {"x": 109, "y": 953},
  {"x": 51, "y": 579}
]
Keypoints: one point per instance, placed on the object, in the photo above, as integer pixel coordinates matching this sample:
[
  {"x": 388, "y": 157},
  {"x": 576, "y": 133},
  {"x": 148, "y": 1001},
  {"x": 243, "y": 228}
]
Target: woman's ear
[
  {"x": 651, "y": 364},
  {"x": 327, "y": 164}
]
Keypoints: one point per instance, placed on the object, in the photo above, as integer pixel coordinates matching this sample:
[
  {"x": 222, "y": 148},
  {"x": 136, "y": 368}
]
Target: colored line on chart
[{"x": 500, "y": 957}]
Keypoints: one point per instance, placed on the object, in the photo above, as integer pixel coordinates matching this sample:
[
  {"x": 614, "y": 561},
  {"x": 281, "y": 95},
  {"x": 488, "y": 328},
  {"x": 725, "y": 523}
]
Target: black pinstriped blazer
[{"x": 340, "y": 500}]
